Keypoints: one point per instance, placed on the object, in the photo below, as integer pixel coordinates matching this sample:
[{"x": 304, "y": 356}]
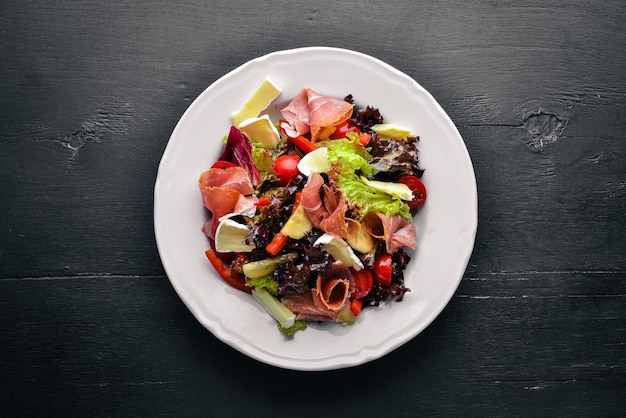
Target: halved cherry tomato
[
  {"x": 343, "y": 129},
  {"x": 222, "y": 164},
  {"x": 383, "y": 269},
  {"x": 417, "y": 188},
  {"x": 286, "y": 166},
  {"x": 362, "y": 283},
  {"x": 364, "y": 138}
]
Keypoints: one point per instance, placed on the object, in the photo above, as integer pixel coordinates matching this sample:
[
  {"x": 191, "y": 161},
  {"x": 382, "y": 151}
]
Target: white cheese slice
[
  {"x": 229, "y": 236},
  {"x": 339, "y": 250},
  {"x": 261, "y": 129},
  {"x": 400, "y": 190},
  {"x": 315, "y": 161},
  {"x": 387, "y": 130},
  {"x": 259, "y": 101}
]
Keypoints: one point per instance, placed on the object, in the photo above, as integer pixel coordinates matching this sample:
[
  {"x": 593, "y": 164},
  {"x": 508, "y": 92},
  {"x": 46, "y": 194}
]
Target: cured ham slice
[
  {"x": 335, "y": 222},
  {"x": 306, "y": 309},
  {"x": 395, "y": 230},
  {"x": 312, "y": 200},
  {"x": 332, "y": 293},
  {"x": 326, "y": 111},
  {"x": 327, "y": 214},
  {"x": 310, "y": 111},
  {"x": 297, "y": 113},
  {"x": 323, "y": 303},
  {"x": 404, "y": 236},
  {"x": 224, "y": 191},
  {"x": 219, "y": 202},
  {"x": 234, "y": 178}
]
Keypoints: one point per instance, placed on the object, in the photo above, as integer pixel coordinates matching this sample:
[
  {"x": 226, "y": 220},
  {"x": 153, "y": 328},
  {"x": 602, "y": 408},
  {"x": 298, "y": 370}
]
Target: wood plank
[
  {"x": 506, "y": 343},
  {"x": 90, "y": 92}
]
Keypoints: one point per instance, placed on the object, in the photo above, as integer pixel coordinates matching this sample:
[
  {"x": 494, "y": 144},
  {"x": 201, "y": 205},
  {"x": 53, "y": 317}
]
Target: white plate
[{"x": 446, "y": 225}]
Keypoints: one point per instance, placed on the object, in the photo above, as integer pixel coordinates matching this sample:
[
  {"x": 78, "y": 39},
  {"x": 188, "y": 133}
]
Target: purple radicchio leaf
[{"x": 238, "y": 150}]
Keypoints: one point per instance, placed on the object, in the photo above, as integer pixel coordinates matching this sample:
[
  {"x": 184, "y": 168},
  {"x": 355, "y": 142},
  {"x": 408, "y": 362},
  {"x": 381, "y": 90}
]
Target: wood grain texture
[{"x": 89, "y": 95}]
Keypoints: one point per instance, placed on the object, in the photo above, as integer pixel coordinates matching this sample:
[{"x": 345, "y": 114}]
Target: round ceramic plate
[{"x": 446, "y": 225}]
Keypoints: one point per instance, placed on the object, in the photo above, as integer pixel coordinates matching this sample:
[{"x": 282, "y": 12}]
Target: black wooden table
[{"x": 90, "y": 92}]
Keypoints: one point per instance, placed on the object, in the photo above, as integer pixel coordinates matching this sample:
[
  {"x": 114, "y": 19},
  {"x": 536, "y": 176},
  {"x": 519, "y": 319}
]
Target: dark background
[{"x": 90, "y": 92}]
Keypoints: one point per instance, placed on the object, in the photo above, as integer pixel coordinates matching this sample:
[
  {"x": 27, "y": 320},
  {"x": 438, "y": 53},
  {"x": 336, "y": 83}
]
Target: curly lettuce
[
  {"x": 368, "y": 199},
  {"x": 350, "y": 153},
  {"x": 399, "y": 156}
]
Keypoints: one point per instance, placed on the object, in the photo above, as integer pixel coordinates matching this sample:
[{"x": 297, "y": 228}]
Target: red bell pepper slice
[
  {"x": 276, "y": 244},
  {"x": 303, "y": 144},
  {"x": 236, "y": 281},
  {"x": 263, "y": 200},
  {"x": 355, "y": 306}
]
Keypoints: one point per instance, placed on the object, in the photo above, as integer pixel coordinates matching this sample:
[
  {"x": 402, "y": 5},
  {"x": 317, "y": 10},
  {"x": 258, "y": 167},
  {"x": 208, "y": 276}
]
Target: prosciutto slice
[
  {"x": 306, "y": 309},
  {"x": 395, "y": 230},
  {"x": 310, "y": 111},
  {"x": 331, "y": 293},
  {"x": 312, "y": 199},
  {"x": 234, "y": 178},
  {"x": 335, "y": 204},
  {"x": 326, "y": 111},
  {"x": 219, "y": 202},
  {"x": 323, "y": 303},
  {"x": 325, "y": 208},
  {"x": 297, "y": 113},
  {"x": 225, "y": 191}
]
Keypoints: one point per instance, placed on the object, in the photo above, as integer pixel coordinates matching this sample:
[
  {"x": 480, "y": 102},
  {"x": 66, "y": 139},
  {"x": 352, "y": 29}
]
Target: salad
[{"x": 312, "y": 213}]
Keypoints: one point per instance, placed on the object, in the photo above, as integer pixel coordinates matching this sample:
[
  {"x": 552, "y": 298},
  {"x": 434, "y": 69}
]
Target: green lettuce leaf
[
  {"x": 263, "y": 159},
  {"x": 369, "y": 199},
  {"x": 298, "y": 326},
  {"x": 350, "y": 153},
  {"x": 266, "y": 282}
]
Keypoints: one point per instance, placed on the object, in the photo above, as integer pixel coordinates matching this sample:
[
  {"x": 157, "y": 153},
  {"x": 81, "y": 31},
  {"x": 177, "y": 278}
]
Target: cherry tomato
[
  {"x": 364, "y": 138},
  {"x": 286, "y": 166},
  {"x": 222, "y": 164},
  {"x": 362, "y": 283},
  {"x": 383, "y": 270},
  {"x": 343, "y": 129},
  {"x": 417, "y": 188}
]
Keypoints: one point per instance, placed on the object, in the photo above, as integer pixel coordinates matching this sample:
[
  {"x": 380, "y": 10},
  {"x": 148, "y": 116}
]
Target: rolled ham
[
  {"x": 332, "y": 293},
  {"x": 323, "y": 303},
  {"x": 306, "y": 309},
  {"x": 396, "y": 231}
]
